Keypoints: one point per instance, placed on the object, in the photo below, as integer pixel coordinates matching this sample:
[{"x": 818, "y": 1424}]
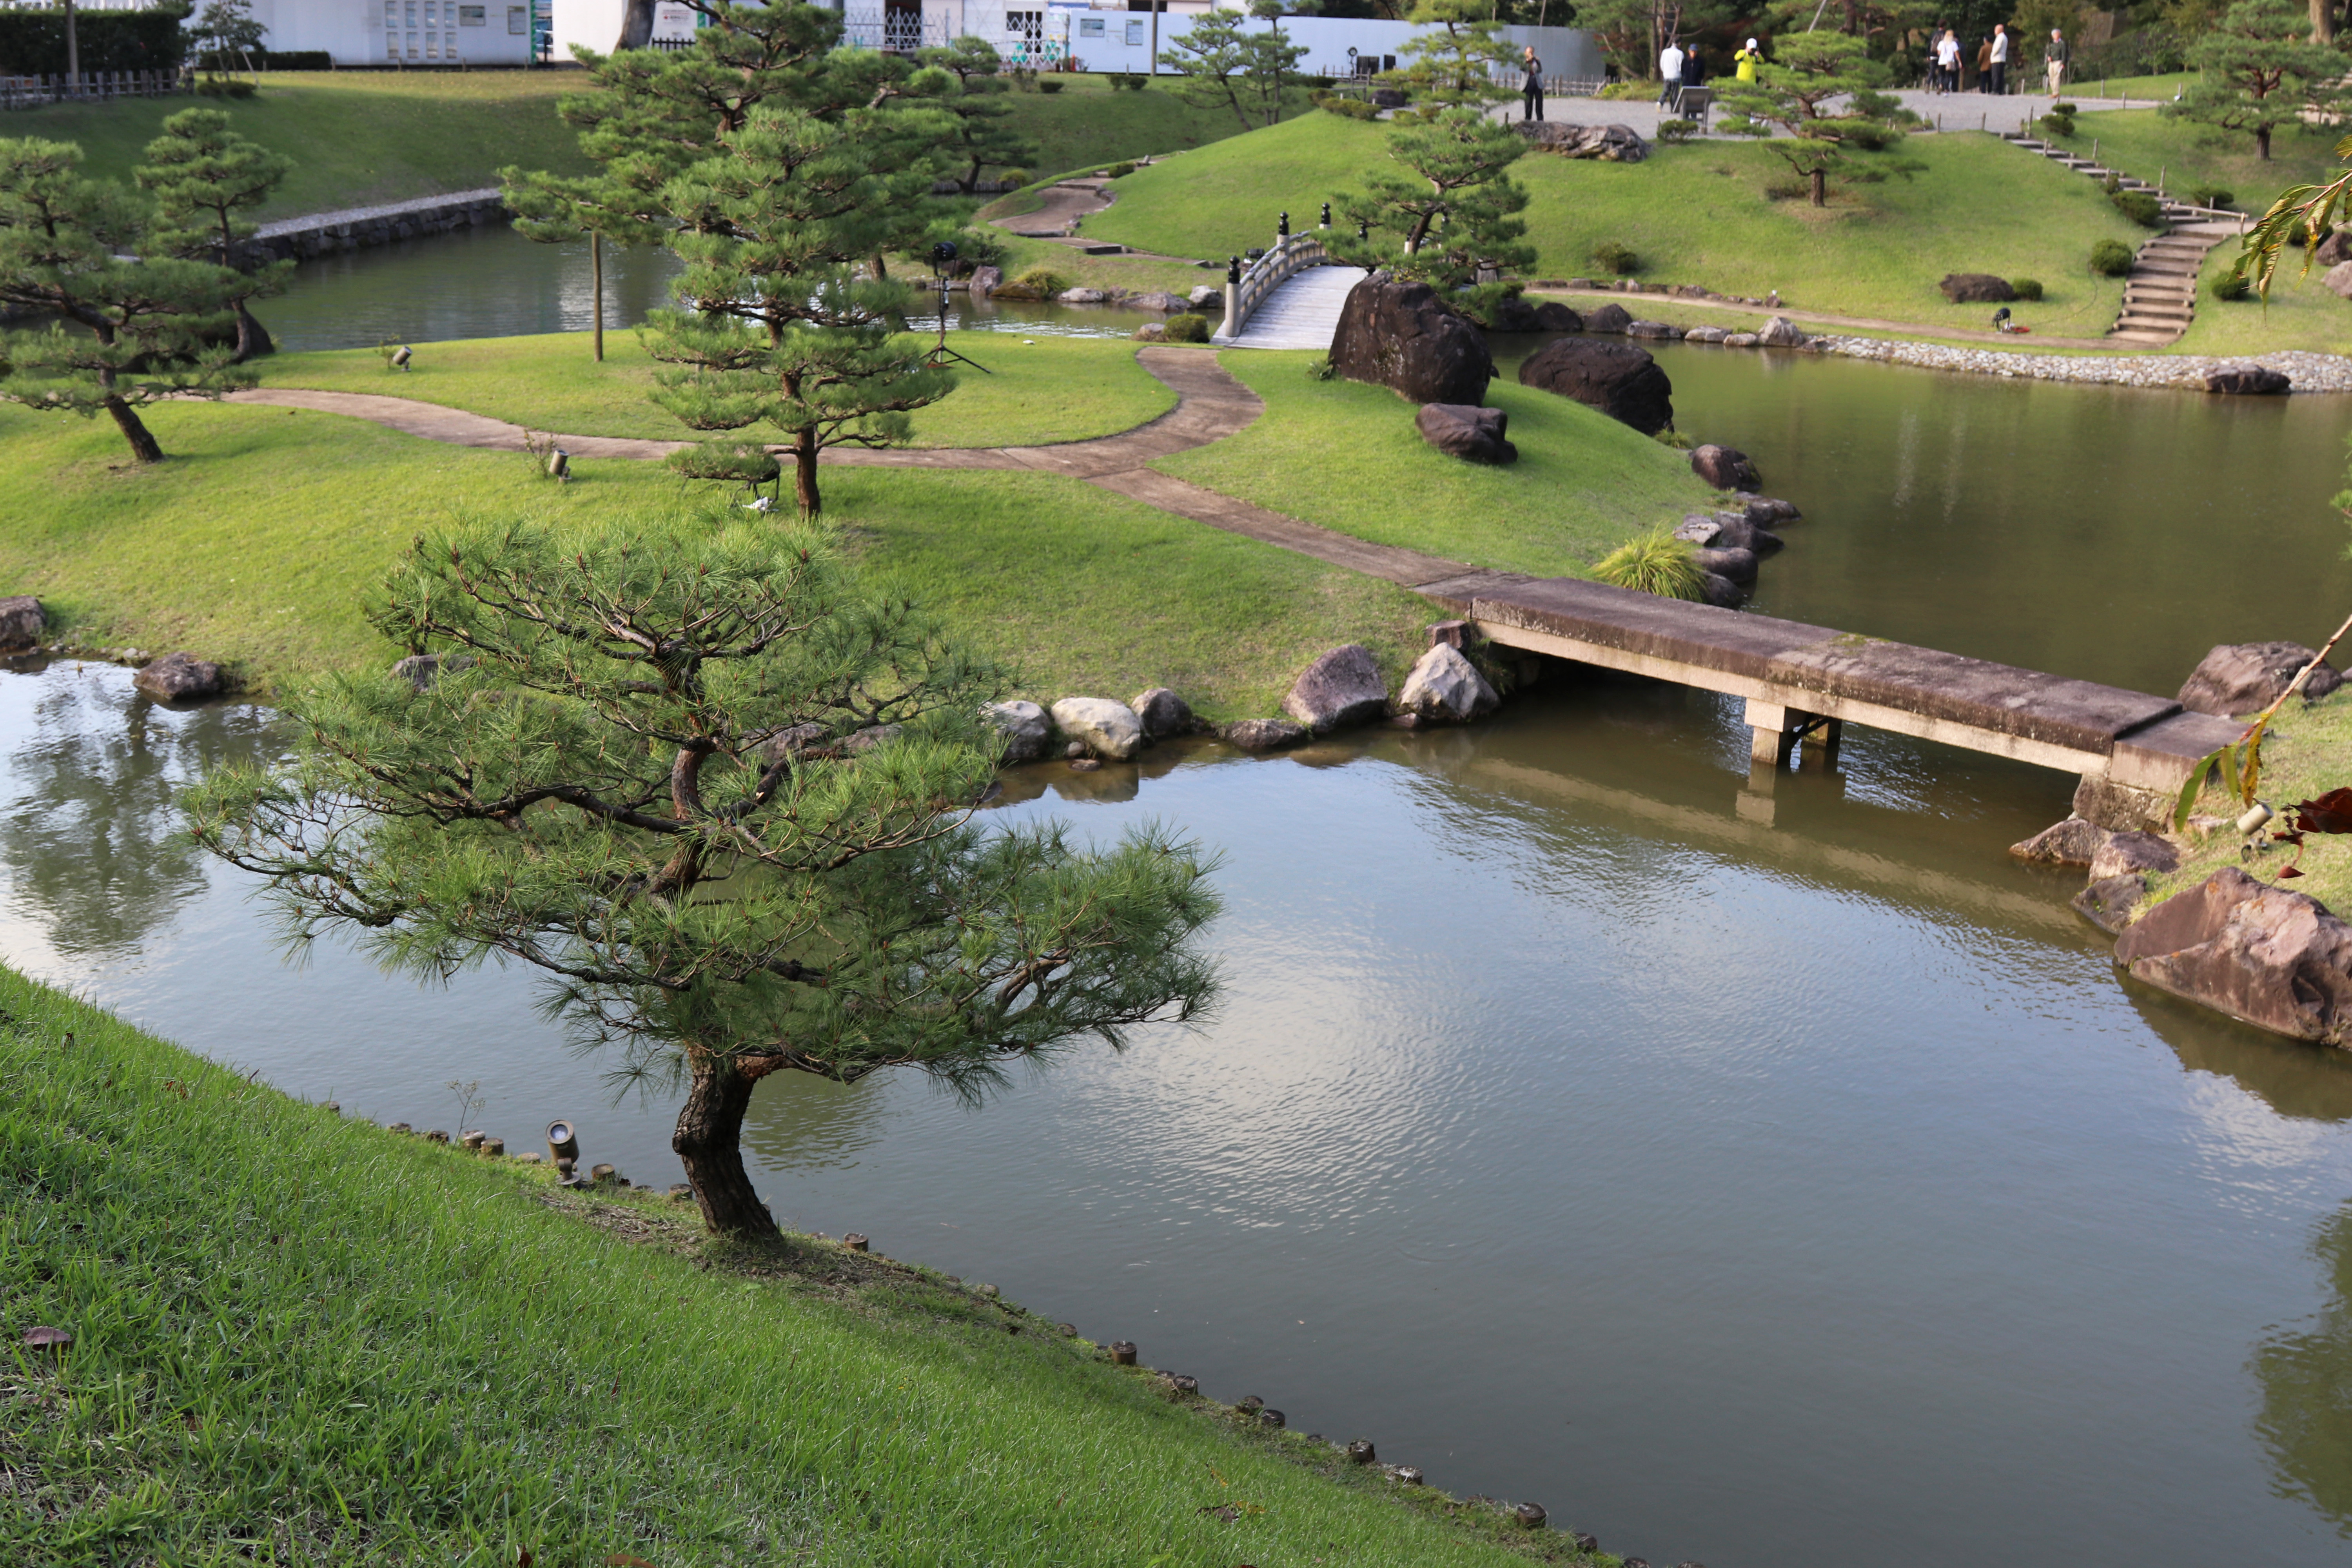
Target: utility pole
[
  {"x": 1157, "y": 6},
  {"x": 73, "y": 54}
]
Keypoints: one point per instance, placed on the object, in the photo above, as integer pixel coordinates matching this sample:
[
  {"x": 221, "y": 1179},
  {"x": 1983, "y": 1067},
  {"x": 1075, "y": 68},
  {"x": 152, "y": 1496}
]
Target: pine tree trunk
[
  {"x": 134, "y": 431},
  {"x": 636, "y": 25},
  {"x": 709, "y": 1143},
  {"x": 252, "y": 337},
  {"x": 1820, "y": 187},
  {"x": 2323, "y": 21},
  {"x": 2263, "y": 140},
  {"x": 804, "y": 473}
]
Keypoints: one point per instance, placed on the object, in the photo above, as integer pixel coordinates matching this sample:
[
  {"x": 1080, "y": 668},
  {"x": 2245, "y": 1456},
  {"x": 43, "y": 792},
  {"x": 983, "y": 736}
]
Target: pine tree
[
  {"x": 638, "y": 785},
  {"x": 130, "y": 326},
  {"x": 205, "y": 178},
  {"x": 1447, "y": 212},
  {"x": 1796, "y": 93},
  {"x": 1451, "y": 61},
  {"x": 2258, "y": 72},
  {"x": 1225, "y": 63},
  {"x": 982, "y": 140}
]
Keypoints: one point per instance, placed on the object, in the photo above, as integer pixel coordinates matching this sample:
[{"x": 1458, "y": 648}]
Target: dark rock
[
  {"x": 1360, "y": 1452},
  {"x": 21, "y": 621},
  {"x": 2119, "y": 808},
  {"x": 1401, "y": 336},
  {"x": 1162, "y": 712},
  {"x": 2069, "y": 843},
  {"x": 179, "y": 678},
  {"x": 1766, "y": 512},
  {"x": 1610, "y": 144},
  {"x": 2247, "y": 677},
  {"x": 2274, "y": 959},
  {"x": 794, "y": 741},
  {"x": 1512, "y": 314},
  {"x": 1619, "y": 380},
  {"x": 1764, "y": 541},
  {"x": 1740, "y": 566},
  {"x": 1721, "y": 591},
  {"x": 1531, "y": 1515},
  {"x": 857, "y": 742},
  {"x": 2334, "y": 250},
  {"x": 1724, "y": 468},
  {"x": 1976, "y": 289},
  {"x": 1465, "y": 431},
  {"x": 1586, "y": 1540},
  {"x": 2108, "y": 905},
  {"x": 2132, "y": 854},
  {"x": 1270, "y": 1417},
  {"x": 1338, "y": 691},
  {"x": 422, "y": 670},
  {"x": 1608, "y": 319},
  {"x": 1552, "y": 316},
  {"x": 2247, "y": 380},
  {"x": 1262, "y": 735}
]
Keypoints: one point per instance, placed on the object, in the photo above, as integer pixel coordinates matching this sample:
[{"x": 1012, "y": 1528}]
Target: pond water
[
  {"x": 1807, "y": 1192},
  {"x": 493, "y": 283}
]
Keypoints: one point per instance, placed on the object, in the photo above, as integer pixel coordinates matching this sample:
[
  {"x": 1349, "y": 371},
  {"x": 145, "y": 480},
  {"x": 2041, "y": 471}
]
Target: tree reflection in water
[
  {"x": 2306, "y": 1381},
  {"x": 94, "y": 852}
]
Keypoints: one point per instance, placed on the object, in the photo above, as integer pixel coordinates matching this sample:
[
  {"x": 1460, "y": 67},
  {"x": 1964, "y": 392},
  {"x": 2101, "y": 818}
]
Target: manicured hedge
[{"x": 33, "y": 43}]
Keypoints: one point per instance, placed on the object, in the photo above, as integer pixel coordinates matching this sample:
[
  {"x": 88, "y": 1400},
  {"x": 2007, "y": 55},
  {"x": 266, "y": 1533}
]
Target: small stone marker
[
  {"x": 1531, "y": 1515},
  {"x": 1360, "y": 1452},
  {"x": 1273, "y": 1417},
  {"x": 854, "y": 1241},
  {"x": 1122, "y": 1352}
]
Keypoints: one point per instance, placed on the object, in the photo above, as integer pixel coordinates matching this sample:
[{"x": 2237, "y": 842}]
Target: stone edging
[
  {"x": 2307, "y": 370},
  {"x": 353, "y": 228}
]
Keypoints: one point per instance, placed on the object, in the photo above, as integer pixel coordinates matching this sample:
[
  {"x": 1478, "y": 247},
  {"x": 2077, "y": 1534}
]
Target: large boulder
[
  {"x": 1026, "y": 732},
  {"x": 985, "y": 280},
  {"x": 1445, "y": 684},
  {"x": 1738, "y": 564},
  {"x": 2247, "y": 677},
  {"x": 1338, "y": 691},
  {"x": 21, "y": 621},
  {"x": 1401, "y": 336},
  {"x": 1665, "y": 330},
  {"x": 2276, "y": 960},
  {"x": 2073, "y": 842},
  {"x": 1609, "y": 143},
  {"x": 2248, "y": 381},
  {"x": 1464, "y": 431},
  {"x": 1262, "y": 734},
  {"x": 1780, "y": 332},
  {"x": 1724, "y": 468},
  {"x": 1105, "y": 728},
  {"x": 1976, "y": 289},
  {"x": 181, "y": 677},
  {"x": 1608, "y": 319},
  {"x": 1619, "y": 380},
  {"x": 2337, "y": 280},
  {"x": 1162, "y": 712},
  {"x": 1552, "y": 316},
  {"x": 2334, "y": 250},
  {"x": 1205, "y": 295},
  {"x": 2133, "y": 854},
  {"x": 2108, "y": 903}
]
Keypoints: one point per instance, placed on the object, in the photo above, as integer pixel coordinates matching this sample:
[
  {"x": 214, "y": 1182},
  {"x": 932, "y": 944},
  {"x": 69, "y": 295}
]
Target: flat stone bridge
[{"x": 1802, "y": 684}]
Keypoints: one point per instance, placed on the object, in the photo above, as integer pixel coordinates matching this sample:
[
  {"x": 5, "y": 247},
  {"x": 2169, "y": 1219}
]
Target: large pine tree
[
  {"x": 206, "y": 179},
  {"x": 2258, "y": 72}
]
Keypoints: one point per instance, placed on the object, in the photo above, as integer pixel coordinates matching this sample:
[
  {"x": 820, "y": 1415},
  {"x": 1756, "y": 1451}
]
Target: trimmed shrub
[
  {"x": 2026, "y": 287},
  {"x": 1036, "y": 283},
  {"x": 2056, "y": 124},
  {"x": 1656, "y": 563},
  {"x": 1120, "y": 171},
  {"x": 2111, "y": 258},
  {"x": 1017, "y": 178},
  {"x": 2114, "y": 183},
  {"x": 2140, "y": 207},
  {"x": 1621, "y": 91},
  {"x": 2212, "y": 196},
  {"x": 2232, "y": 285},
  {"x": 1677, "y": 129},
  {"x": 1346, "y": 106},
  {"x": 1186, "y": 327},
  {"x": 1050, "y": 84},
  {"x": 1615, "y": 259}
]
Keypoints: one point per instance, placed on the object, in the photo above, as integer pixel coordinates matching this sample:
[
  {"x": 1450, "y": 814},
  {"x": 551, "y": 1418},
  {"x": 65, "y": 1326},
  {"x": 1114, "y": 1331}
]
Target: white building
[
  {"x": 1099, "y": 34},
  {"x": 390, "y": 32}
]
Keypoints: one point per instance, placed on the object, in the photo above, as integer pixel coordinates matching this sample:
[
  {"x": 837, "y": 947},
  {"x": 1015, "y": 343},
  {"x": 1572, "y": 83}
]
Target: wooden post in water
[{"x": 596, "y": 280}]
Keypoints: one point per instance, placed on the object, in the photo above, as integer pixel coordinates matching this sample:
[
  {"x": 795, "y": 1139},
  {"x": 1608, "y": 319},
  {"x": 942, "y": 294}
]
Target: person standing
[
  {"x": 1531, "y": 88},
  {"x": 1948, "y": 61},
  {"x": 1749, "y": 58},
  {"x": 2054, "y": 61},
  {"x": 1999, "y": 59},
  {"x": 1670, "y": 74},
  {"x": 1984, "y": 65},
  {"x": 1693, "y": 69}
]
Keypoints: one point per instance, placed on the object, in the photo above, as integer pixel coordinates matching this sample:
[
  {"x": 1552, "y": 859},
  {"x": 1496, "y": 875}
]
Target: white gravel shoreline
[{"x": 2307, "y": 370}]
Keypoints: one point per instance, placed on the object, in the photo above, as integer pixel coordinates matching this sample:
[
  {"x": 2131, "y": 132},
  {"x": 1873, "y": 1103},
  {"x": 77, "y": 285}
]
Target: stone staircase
[{"x": 2160, "y": 290}]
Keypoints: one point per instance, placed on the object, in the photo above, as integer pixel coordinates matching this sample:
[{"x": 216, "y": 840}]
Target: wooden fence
[{"x": 32, "y": 91}]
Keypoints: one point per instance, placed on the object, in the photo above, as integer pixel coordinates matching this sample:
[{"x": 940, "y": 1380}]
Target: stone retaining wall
[{"x": 325, "y": 234}]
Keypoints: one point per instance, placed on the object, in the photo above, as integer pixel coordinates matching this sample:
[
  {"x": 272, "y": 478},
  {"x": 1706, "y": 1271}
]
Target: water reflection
[{"x": 2306, "y": 1383}]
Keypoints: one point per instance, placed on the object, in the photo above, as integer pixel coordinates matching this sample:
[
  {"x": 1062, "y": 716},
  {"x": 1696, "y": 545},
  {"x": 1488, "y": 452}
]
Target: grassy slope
[
  {"x": 256, "y": 542},
  {"x": 1697, "y": 214},
  {"x": 1346, "y": 455},
  {"x": 2306, "y": 753},
  {"x": 357, "y": 137},
  {"x": 1085, "y": 122},
  {"x": 303, "y": 1340},
  {"x": 1057, "y": 389}
]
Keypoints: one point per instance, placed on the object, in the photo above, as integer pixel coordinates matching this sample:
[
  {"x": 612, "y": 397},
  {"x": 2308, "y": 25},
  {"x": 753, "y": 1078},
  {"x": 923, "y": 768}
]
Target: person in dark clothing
[
  {"x": 1531, "y": 88},
  {"x": 1694, "y": 71}
]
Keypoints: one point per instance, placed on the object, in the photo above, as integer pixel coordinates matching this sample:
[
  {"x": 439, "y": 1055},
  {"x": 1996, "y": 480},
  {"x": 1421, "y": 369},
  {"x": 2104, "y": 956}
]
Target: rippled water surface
[{"x": 1801, "y": 1192}]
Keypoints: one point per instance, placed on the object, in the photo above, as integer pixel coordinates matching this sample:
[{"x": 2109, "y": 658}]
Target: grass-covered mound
[
  {"x": 1049, "y": 389},
  {"x": 1694, "y": 214},
  {"x": 1346, "y": 455},
  {"x": 301, "y": 1339},
  {"x": 257, "y": 540}
]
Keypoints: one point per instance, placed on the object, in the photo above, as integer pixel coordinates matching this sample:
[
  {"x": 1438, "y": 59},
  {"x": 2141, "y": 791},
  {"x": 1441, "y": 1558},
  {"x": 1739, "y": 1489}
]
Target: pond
[{"x": 1802, "y": 1194}]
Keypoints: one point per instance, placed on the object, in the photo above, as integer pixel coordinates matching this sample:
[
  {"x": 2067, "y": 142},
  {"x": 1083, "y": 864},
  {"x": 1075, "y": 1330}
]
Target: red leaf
[
  {"x": 2286, "y": 871},
  {"x": 2331, "y": 813}
]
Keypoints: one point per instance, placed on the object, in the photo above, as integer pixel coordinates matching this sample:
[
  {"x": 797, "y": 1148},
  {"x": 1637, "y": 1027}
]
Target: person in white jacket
[{"x": 1670, "y": 74}]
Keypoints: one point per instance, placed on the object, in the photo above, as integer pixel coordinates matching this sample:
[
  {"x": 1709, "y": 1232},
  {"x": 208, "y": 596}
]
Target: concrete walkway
[{"x": 1945, "y": 110}]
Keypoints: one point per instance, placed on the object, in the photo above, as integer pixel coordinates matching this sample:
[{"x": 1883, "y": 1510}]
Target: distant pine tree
[{"x": 205, "y": 178}]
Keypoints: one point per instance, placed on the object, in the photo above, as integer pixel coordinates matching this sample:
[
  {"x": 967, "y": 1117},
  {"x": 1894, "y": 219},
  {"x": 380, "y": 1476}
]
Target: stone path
[
  {"x": 1209, "y": 406},
  {"x": 1947, "y": 110},
  {"x": 1302, "y": 313}
]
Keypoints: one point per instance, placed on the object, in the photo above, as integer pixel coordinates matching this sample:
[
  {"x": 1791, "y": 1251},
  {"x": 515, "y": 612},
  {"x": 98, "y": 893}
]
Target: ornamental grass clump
[{"x": 1655, "y": 563}]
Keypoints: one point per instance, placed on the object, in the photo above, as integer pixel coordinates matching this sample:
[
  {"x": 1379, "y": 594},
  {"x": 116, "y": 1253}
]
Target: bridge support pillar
[{"x": 1777, "y": 732}]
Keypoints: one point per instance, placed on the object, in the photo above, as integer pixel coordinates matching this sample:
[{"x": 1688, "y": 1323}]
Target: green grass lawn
[
  {"x": 1345, "y": 455},
  {"x": 357, "y": 137},
  {"x": 1696, "y": 214},
  {"x": 1086, "y": 123},
  {"x": 256, "y": 542},
  {"x": 2163, "y": 85},
  {"x": 2307, "y": 752},
  {"x": 1049, "y": 389},
  {"x": 2147, "y": 144},
  {"x": 298, "y": 1339}
]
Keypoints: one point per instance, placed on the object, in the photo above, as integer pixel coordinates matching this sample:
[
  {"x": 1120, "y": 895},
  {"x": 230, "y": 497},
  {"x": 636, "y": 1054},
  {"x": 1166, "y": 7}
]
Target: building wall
[{"x": 425, "y": 32}]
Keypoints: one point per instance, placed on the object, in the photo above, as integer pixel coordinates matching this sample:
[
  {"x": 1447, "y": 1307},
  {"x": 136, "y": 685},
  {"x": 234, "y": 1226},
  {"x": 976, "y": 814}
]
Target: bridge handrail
[{"x": 1291, "y": 254}]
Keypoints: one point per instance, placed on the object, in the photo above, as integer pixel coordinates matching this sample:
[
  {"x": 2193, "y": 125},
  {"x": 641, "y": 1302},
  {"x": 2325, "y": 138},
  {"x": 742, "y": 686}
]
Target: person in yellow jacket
[{"x": 1750, "y": 57}]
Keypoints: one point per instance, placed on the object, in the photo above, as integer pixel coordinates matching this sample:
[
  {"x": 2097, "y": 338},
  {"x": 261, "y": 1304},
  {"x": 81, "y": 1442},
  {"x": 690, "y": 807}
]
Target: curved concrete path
[{"x": 1209, "y": 406}]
